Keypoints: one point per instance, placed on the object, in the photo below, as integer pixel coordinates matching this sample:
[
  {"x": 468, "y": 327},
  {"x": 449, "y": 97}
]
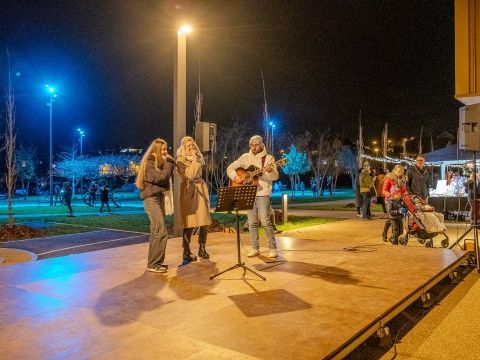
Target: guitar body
[
  {"x": 250, "y": 175},
  {"x": 245, "y": 174}
]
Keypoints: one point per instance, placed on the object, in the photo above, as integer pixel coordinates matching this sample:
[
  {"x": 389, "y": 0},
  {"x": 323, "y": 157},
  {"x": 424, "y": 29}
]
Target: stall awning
[{"x": 449, "y": 154}]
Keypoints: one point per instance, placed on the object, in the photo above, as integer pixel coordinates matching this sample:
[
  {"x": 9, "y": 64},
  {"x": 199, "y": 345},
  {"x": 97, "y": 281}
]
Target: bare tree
[
  {"x": 266, "y": 119},
  {"x": 322, "y": 151},
  {"x": 118, "y": 166},
  {"x": 446, "y": 139},
  {"x": 335, "y": 165},
  {"x": 360, "y": 140},
  {"x": 198, "y": 101},
  {"x": 348, "y": 161},
  {"x": 420, "y": 145},
  {"x": 297, "y": 164},
  {"x": 231, "y": 144},
  {"x": 315, "y": 145},
  {"x": 9, "y": 144},
  {"x": 385, "y": 144},
  {"x": 25, "y": 164}
]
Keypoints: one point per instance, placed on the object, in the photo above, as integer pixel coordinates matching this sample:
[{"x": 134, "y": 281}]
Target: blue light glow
[{"x": 50, "y": 89}]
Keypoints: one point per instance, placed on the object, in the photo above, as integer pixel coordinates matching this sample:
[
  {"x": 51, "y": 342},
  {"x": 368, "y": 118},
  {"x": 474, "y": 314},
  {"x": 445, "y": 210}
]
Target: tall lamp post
[
  {"x": 272, "y": 126},
  {"x": 179, "y": 109},
  {"x": 53, "y": 95},
  {"x": 81, "y": 135}
]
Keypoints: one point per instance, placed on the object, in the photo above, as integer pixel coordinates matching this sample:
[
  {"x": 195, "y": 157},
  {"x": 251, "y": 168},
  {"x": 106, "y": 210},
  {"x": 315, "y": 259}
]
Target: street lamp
[
  {"x": 81, "y": 135},
  {"x": 404, "y": 145},
  {"x": 53, "y": 95},
  {"x": 179, "y": 108},
  {"x": 180, "y": 87},
  {"x": 272, "y": 126}
]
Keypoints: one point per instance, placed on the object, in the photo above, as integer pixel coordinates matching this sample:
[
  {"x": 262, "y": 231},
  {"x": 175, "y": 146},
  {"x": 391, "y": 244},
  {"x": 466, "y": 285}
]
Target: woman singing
[
  {"x": 194, "y": 198},
  {"x": 152, "y": 181}
]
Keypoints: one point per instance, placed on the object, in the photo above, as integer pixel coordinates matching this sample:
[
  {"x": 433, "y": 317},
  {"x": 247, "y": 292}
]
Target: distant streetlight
[
  {"x": 272, "y": 126},
  {"x": 404, "y": 145},
  {"x": 81, "y": 135},
  {"x": 53, "y": 95},
  {"x": 180, "y": 109}
]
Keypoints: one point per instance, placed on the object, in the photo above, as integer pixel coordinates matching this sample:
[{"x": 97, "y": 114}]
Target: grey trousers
[
  {"x": 261, "y": 213},
  {"x": 158, "y": 231}
]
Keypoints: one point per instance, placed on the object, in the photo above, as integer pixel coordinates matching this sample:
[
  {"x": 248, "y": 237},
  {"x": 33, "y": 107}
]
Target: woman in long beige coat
[{"x": 194, "y": 198}]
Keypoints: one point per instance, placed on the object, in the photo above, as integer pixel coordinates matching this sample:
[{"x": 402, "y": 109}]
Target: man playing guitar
[{"x": 258, "y": 157}]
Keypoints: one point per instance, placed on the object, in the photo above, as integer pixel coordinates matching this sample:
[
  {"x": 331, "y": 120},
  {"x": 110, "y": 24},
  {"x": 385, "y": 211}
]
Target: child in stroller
[{"x": 422, "y": 222}]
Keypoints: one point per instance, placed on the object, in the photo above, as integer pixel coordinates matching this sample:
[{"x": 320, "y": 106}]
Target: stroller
[{"x": 422, "y": 222}]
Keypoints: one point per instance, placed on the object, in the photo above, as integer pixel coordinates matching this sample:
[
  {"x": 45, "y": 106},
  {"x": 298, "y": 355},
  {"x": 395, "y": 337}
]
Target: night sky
[{"x": 112, "y": 62}]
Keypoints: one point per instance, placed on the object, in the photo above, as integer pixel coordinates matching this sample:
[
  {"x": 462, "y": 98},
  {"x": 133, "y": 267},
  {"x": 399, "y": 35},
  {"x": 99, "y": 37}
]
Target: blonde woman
[
  {"x": 153, "y": 180},
  {"x": 194, "y": 198}
]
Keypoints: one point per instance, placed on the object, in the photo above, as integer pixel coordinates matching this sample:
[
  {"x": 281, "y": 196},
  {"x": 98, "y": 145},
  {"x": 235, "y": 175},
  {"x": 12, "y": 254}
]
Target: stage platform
[{"x": 321, "y": 299}]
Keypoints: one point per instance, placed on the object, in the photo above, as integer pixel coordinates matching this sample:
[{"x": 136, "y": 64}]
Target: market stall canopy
[{"x": 449, "y": 155}]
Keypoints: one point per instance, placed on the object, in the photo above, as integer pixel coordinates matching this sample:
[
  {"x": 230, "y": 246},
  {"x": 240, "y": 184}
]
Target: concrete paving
[{"x": 103, "y": 305}]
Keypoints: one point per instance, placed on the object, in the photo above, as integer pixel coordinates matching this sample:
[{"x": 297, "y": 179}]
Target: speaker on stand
[
  {"x": 206, "y": 139},
  {"x": 469, "y": 139}
]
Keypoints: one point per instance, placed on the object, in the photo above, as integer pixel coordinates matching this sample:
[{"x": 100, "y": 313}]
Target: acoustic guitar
[{"x": 250, "y": 175}]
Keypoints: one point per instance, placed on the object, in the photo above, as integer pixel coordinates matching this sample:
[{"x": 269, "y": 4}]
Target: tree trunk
[{"x": 9, "y": 145}]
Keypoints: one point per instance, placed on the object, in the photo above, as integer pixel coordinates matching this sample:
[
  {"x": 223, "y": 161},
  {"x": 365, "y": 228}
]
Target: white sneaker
[
  {"x": 254, "y": 252},
  {"x": 273, "y": 253}
]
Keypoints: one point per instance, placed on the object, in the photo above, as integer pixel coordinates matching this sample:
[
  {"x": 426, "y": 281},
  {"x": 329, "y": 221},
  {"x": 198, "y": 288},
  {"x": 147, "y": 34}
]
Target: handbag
[{"x": 191, "y": 190}]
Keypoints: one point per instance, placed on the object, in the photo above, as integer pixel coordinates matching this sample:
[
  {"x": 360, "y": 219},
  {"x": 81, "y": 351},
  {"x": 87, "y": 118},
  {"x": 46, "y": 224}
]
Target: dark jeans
[
  {"x": 366, "y": 197},
  {"x": 158, "y": 231},
  {"x": 103, "y": 204},
  {"x": 396, "y": 228},
  {"x": 68, "y": 202}
]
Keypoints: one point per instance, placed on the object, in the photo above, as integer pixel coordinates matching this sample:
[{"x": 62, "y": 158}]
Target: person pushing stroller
[{"x": 393, "y": 188}]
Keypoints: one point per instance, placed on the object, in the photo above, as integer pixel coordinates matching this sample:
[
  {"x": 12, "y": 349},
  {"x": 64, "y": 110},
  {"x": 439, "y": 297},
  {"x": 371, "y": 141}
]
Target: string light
[{"x": 390, "y": 160}]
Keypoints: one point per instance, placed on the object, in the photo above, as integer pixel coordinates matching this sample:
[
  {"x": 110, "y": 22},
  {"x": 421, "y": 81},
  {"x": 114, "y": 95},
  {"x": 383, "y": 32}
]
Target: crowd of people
[
  {"x": 154, "y": 181},
  {"x": 388, "y": 189}
]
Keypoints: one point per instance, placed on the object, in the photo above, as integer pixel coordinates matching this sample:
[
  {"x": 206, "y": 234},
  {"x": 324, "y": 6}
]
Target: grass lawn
[
  {"x": 71, "y": 225},
  {"x": 60, "y": 209},
  {"x": 309, "y": 199},
  {"x": 336, "y": 207}
]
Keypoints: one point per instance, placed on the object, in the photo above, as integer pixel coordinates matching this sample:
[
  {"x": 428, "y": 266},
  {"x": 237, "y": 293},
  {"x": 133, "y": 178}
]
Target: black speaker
[
  {"x": 205, "y": 136},
  {"x": 469, "y": 128}
]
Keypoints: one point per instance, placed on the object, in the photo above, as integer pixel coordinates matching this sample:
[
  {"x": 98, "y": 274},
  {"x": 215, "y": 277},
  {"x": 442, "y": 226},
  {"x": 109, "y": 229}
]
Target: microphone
[{"x": 170, "y": 159}]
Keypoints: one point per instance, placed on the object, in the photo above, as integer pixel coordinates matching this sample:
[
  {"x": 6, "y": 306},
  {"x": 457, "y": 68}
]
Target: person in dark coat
[
  {"x": 104, "y": 190},
  {"x": 67, "y": 196},
  {"x": 153, "y": 180},
  {"x": 92, "y": 193},
  {"x": 358, "y": 196},
  {"x": 366, "y": 181},
  {"x": 417, "y": 179}
]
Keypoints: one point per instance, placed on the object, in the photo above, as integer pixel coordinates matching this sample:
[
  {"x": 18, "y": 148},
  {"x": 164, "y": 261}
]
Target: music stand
[{"x": 234, "y": 198}]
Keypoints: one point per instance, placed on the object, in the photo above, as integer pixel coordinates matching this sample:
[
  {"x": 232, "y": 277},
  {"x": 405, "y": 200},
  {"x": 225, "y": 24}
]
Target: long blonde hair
[
  {"x": 155, "y": 150},
  {"x": 182, "y": 150}
]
